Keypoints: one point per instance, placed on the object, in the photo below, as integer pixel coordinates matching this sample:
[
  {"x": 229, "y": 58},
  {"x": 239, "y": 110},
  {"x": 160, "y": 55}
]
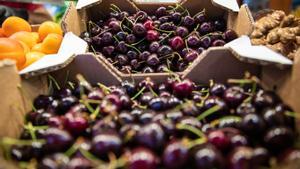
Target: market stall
[{"x": 151, "y": 85}]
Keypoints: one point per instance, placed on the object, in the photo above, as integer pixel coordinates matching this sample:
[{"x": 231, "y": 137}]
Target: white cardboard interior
[
  {"x": 71, "y": 45},
  {"x": 242, "y": 46}
]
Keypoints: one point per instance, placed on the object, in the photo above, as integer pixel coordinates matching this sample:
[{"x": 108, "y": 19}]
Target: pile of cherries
[
  {"x": 170, "y": 39},
  {"x": 173, "y": 125}
]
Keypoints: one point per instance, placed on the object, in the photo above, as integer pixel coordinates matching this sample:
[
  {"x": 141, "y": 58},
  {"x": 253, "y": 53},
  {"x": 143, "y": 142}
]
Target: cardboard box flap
[
  {"x": 84, "y": 3},
  {"x": 231, "y": 5},
  {"x": 260, "y": 54},
  {"x": 70, "y": 46}
]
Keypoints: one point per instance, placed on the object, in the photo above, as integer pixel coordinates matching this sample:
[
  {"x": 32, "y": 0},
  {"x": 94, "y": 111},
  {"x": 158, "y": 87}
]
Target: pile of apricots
[{"x": 19, "y": 41}]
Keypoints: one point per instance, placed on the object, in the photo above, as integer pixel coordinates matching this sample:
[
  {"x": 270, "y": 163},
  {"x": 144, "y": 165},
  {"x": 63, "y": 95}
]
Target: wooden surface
[{"x": 284, "y": 5}]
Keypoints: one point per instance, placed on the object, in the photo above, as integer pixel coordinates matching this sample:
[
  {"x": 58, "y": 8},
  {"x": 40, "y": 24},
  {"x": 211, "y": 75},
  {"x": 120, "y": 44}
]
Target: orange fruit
[
  {"x": 2, "y": 33},
  {"x": 32, "y": 57},
  {"x": 12, "y": 49},
  {"x": 37, "y": 48},
  {"x": 26, "y": 49},
  {"x": 15, "y": 24},
  {"x": 36, "y": 36},
  {"x": 49, "y": 27},
  {"x": 26, "y": 37},
  {"x": 51, "y": 43}
]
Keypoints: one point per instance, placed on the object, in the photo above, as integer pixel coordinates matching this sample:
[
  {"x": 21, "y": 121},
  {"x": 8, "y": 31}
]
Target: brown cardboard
[{"x": 75, "y": 21}]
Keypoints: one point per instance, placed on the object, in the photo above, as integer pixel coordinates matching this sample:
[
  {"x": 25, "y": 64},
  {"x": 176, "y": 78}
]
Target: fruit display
[
  {"x": 20, "y": 43},
  {"x": 177, "y": 124},
  {"x": 279, "y": 32},
  {"x": 168, "y": 40}
]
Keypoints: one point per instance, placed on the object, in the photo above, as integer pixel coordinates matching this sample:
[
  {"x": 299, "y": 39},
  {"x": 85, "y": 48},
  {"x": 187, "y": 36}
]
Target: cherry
[
  {"x": 153, "y": 60},
  {"x": 121, "y": 47},
  {"x": 230, "y": 35},
  {"x": 139, "y": 29},
  {"x": 261, "y": 157},
  {"x": 253, "y": 124},
  {"x": 104, "y": 143},
  {"x": 132, "y": 54},
  {"x": 104, "y": 125},
  {"x": 217, "y": 89},
  {"x": 158, "y": 103},
  {"x": 234, "y": 96},
  {"x": 182, "y": 31},
  {"x": 75, "y": 123},
  {"x": 177, "y": 43},
  {"x": 42, "y": 102},
  {"x": 152, "y": 35},
  {"x": 166, "y": 26},
  {"x": 57, "y": 140},
  {"x": 149, "y": 25},
  {"x": 161, "y": 11},
  {"x": 219, "y": 140},
  {"x": 200, "y": 18},
  {"x": 279, "y": 138},
  {"x": 218, "y": 43},
  {"x": 193, "y": 41},
  {"x": 205, "y": 42},
  {"x": 122, "y": 59},
  {"x": 79, "y": 163},
  {"x": 152, "y": 136},
  {"x": 141, "y": 16},
  {"x": 108, "y": 51},
  {"x": 54, "y": 161},
  {"x": 191, "y": 56},
  {"x": 142, "y": 158},
  {"x": 188, "y": 21},
  {"x": 164, "y": 19},
  {"x": 273, "y": 118},
  {"x": 183, "y": 88},
  {"x": 205, "y": 28},
  {"x": 107, "y": 38},
  {"x": 121, "y": 36},
  {"x": 147, "y": 69},
  {"x": 220, "y": 24},
  {"x": 241, "y": 158},
  {"x": 131, "y": 39},
  {"x": 154, "y": 46},
  {"x": 129, "y": 87},
  {"x": 176, "y": 17},
  {"x": 164, "y": 50},
  {"x": 208, "y": 157},
  {"x": 144, "y": 55},
  {"x": 175, "y": 155},
  {"x": 245, "y": 108},
  {"x": 115, "y": 26}
]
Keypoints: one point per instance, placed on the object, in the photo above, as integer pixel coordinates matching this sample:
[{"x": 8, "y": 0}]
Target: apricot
[
  {"x": 15, "y": 24},
  {"x": 49, "y": 27}
]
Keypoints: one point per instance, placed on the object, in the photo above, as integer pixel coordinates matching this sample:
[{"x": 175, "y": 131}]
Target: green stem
[
  {"x": 191, "y": 129},
  {"x": 104, "y": 88},
  {"x": 208, "y": 112},
  {"x": 160, "y": 30},
  {"x": 138, "y": 42},
  {"x": 165, "y": 37},
  {"x": 115, "y": 7},
  {"x": 55, "y": 82},
  {"x": 235, "y": 118},
  {"x": 197, "y": 142},
  {"x": 130, "y": 46},
  {"x": 95, "y": 113},
  {"x": 87, "y": 105},
  {"x": 11, "y": 141},
  {"x": 139, "y": 93},
  {"x": 153, "y": 92}
]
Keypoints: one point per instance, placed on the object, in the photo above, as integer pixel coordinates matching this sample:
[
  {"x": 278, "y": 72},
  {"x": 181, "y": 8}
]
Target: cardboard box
[{"x": 238, "y": 19}]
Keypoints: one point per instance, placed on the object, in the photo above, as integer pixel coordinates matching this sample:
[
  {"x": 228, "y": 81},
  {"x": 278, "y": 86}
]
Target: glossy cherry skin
[
  {"x": 57, "y": 140},
  {"x": 175, "y": 155},
  {"x": 142, "y": 158}
]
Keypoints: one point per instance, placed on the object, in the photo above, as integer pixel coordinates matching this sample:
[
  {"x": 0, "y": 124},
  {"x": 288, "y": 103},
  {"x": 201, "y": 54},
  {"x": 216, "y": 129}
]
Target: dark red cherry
[
  {"x": 149, "y": 25},
  {"x": 177, "y": 43},
  {"x": 57, "y": 140},
  {"x": 152, "y": 35},
  {"x": 207, "y": 157},
  {"x": 142, "y": 158},
  {"x": 182, "y": 31},
  {"x": 175, "y": 155},
  {"x": 104, "y": 143},
  {"x": 183, "y": 88},
  {"x": 152, "y": 136}
]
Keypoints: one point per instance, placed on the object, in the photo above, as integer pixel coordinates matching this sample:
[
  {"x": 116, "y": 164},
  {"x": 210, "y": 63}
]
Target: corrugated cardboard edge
[
  {"x": 49, "y": 69},
  {"x": 90, "y": 67},
  {"x": 219, "y": 64}
]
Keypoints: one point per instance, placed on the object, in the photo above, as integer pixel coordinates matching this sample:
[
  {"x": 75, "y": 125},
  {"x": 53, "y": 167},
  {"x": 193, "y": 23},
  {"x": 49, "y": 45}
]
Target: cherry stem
[
  {"x": 71, "y": 150},
  {"x": 139, "y": 93},
  {"x": 240, "y": 81},
  {"x": 87, "y": 105},
  {"x": 90, "y": 157},
  {"x": 93, "y": 49},
  {"x": 153, "y": 92},
  {"x": 95, "y": 114},
  {"x": 138, "y": 42},
  {"x": 217, "y": 121},
  {"x": 115, "y": 7},
  {"x": 51, "y": 78},
  {"x": 208, "y": 112},
  {"x": 114, "y": 10},
  {"x": 11, "y": 141},
  {"x": 104, "y": 88},
  {"x": 160, "y": 30},
  {"x": 84, "y": 82},
  {"x": 116, "y": 39},
  {"x": 191, "y": 129},
  {"x": 165, "y": 37},
  {"x": 195, "y": 30},
  {"x": 134, "y": 48},
  {"x": 292, "y": 114},
  {"x": 186, "y": 45},
  {"x": 32, "y": 129},
  {"x": 196, "y": 142},
  {"x": 176, "y": 53},
  {"x": 201, "y": 12}
]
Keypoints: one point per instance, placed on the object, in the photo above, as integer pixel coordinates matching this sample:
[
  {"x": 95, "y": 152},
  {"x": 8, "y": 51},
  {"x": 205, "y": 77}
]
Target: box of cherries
[{"x": 139, "y": 40}]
